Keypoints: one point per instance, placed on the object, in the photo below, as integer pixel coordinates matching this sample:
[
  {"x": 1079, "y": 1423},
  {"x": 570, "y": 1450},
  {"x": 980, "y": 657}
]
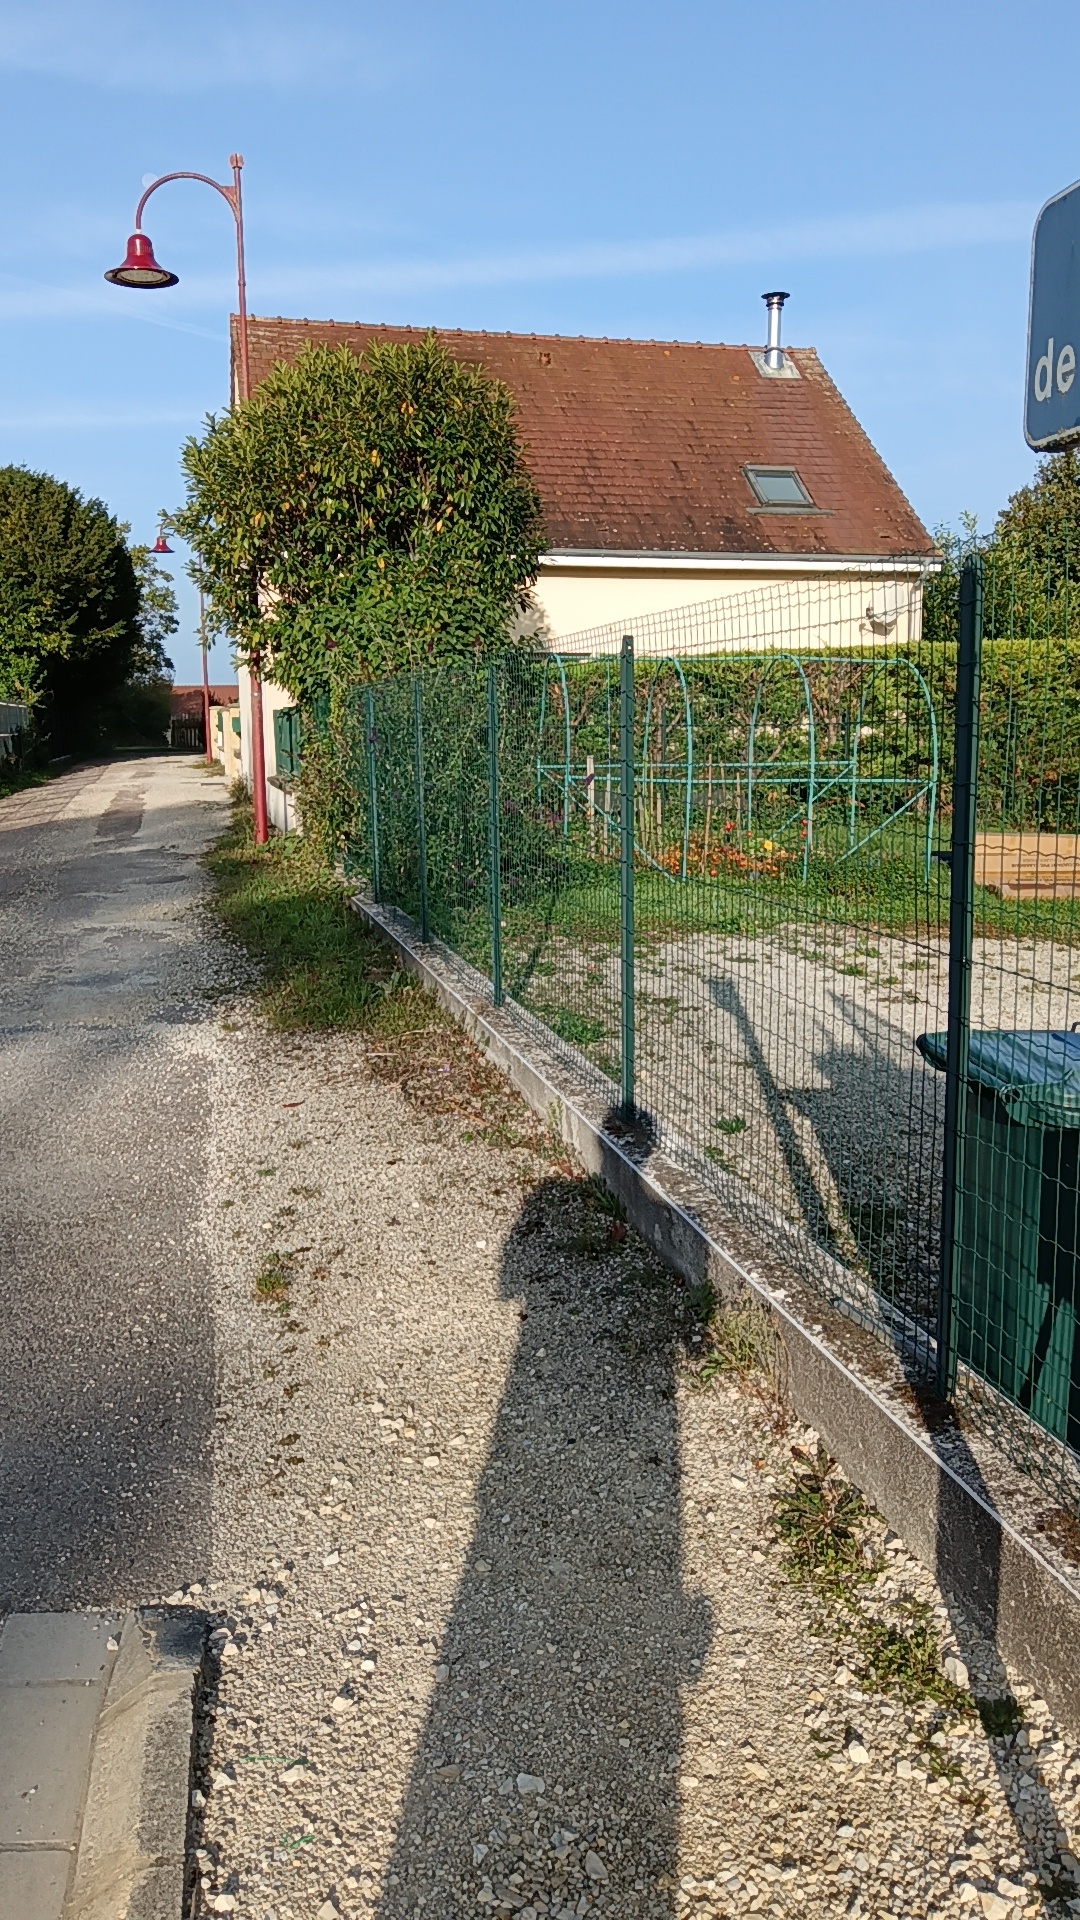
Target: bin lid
[{"x": 1035, "y": 1074}]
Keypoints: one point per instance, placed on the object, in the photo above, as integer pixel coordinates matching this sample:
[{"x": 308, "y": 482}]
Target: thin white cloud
[
  {"x": 855, "y": 236},
  {"x": 306, "y": 289},
  {"x": 128, "y": 43},
  {"x": 22, "y": 298}
]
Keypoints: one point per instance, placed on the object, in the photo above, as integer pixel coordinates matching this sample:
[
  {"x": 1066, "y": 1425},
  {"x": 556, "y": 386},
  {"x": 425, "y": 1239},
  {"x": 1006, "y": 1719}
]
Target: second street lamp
[{"x": 140, "y": 269}]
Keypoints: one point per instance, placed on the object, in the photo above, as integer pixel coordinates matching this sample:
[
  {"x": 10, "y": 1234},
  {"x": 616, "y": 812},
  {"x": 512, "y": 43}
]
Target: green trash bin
[{"x": 1016, "y": 1295}]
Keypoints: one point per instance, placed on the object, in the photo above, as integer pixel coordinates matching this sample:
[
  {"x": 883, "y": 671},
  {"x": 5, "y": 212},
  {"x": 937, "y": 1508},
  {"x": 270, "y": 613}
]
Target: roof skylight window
[{"x": 778, "y": 487}]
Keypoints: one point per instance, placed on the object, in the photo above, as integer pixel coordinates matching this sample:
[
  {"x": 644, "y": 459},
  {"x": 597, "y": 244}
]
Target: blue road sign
[{"x": 1052, "y": 400}]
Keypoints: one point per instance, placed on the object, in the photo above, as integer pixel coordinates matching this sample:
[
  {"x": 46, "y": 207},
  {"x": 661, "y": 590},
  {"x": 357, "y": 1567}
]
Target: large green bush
[{"x": 360, "y": 515}]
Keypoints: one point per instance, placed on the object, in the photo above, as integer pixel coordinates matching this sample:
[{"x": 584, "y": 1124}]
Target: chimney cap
[{"x": 774, "y": 353}]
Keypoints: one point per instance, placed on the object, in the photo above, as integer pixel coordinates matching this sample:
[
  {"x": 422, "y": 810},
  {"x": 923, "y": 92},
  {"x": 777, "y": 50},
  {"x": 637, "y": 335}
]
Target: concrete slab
[
  {"x": 33, "y": 1885},
  {"x": 40, "y": 1647},
  {"x": 54, "y": 1668},
  {"x": 95, "y": 1762},
  {"x": 48, "y": 1733}
]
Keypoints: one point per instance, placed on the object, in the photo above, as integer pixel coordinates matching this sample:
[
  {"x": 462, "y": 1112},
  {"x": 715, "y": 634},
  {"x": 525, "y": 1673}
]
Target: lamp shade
[
  {"x": 139, "y": 268},
  {"x": 161, "y": 545}
]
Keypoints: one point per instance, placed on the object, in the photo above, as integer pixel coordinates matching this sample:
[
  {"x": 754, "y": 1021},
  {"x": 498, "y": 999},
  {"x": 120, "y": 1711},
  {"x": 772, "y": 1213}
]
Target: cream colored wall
[
  {"x": 804, "y": 610},
  {"x": 225, "y": 742},
  {"x": 280, "y": 807}
]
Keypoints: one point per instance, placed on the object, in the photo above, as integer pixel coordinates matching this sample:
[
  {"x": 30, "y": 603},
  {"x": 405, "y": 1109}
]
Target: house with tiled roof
[
  {"x": 673, "y": 470},
  {"x": 677, "y": 473}
]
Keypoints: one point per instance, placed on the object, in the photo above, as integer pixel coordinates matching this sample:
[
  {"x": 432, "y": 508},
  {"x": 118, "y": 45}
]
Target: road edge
[{"x": 131, "y": 1861}]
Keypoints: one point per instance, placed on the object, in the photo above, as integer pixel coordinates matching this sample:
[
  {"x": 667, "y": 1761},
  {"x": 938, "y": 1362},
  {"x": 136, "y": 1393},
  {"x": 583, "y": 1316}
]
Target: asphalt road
[{"x": 106, "y": 1336}]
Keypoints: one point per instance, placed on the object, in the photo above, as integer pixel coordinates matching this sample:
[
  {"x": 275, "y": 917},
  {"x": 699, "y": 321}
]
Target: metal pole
[
  {"x": 494, "y": 847},
  {"x": 205, "y": 682},
  {"x": 258, "y": 742},
  {"x": 373, "y": 793},
  {"x": 421, "y": 823},
  {"x": 961, "y": 893},
  {"x": 626, "y": 866},
  {"x": 236, "y": 162}
]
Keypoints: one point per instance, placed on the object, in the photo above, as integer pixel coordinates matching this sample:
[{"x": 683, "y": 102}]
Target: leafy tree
[
  {"x": 362, "y": 514},
  {"x": 81, "y": 613},
  {"x": 1034, "y": 554},
  {"x": 157, "y": 619},
  {"x": 1042, "y": 521}
]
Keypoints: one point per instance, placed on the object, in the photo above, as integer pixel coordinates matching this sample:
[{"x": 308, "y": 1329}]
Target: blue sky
[{"x": 594, "y": 168}]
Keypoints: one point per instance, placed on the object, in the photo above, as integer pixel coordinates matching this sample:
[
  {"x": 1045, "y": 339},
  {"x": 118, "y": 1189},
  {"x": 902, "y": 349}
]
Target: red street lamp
[
  {"x": 140, "y": 269},
  {"x": 161, "y": 545}
]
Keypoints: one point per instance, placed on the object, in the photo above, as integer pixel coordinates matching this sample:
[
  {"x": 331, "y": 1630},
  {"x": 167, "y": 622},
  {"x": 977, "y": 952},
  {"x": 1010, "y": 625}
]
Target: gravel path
[{"x": 501, "y": 1626}]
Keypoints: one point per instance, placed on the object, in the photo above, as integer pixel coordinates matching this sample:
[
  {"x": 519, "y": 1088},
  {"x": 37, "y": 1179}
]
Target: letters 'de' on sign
[{"x": 1052, "y": 403}]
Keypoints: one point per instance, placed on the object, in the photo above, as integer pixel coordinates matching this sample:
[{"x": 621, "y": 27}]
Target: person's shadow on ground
[{"x": 545, "y": 1779}]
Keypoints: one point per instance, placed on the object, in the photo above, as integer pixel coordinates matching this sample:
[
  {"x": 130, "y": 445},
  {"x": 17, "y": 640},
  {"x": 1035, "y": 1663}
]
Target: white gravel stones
[
  {"x": 586, "y": 1614},
  {"x": 955, "y": 1671}
]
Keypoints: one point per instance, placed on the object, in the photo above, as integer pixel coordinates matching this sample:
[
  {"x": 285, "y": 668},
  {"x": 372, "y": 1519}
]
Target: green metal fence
[{"x": 768, "y": 873}]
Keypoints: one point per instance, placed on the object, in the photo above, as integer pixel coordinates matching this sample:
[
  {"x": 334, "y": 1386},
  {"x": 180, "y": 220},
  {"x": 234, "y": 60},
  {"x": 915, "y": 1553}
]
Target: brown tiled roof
[
  {"x": 639, "y": 445},
  {"x": 187, "y": 698}
]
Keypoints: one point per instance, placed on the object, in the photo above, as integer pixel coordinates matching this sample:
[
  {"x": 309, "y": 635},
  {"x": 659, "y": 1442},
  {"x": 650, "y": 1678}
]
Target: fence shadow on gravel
[{"x": 572, "y": 1635}]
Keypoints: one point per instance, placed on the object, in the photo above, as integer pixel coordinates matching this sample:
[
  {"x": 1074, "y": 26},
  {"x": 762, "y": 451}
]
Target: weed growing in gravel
[
  {"x": 1001, "y": 1717},
  {"x": 820, "y": 1518},
  {"x": 602, "y": 1198},
  {"x": 743, "y": 1345},
  {"x": 906, "y": 1659},
  {"x": 273, "y": 1280}
]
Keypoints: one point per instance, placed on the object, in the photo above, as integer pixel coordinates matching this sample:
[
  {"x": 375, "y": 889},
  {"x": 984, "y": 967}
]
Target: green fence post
[
  {"x": 961, "y": 860},
  {"x": 626, "y": 866},
  {"x": 421, "y": 823},
  {"x": 373, "y": 793},
  {"x": 494, "y": 847}
]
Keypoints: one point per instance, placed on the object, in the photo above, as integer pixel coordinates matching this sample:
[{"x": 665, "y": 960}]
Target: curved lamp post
[{"x": 140, "y": 269}]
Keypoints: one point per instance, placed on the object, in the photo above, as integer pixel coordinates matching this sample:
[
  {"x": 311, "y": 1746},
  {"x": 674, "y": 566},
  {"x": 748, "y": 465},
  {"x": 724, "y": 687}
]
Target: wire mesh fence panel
[
  {"x": 559, "y": 806},
  {"x": 789, "y": 919},
  {"x": 733, "y": 877},
  {"x": 1012, "y": 1263}
]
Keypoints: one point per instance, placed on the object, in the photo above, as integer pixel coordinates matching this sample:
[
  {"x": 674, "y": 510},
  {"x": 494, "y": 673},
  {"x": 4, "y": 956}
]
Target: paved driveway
[{"x": 106, "y": 1340}]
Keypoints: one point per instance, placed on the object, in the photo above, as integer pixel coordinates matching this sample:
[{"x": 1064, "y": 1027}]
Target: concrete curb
[
  {"x": 132, "y": 1854},
  {"x": 840, "y": 1381}
]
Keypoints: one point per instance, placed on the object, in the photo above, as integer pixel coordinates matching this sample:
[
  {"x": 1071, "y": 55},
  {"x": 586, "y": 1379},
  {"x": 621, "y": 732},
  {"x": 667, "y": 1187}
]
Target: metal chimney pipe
[{"x": 774, "y": 352}]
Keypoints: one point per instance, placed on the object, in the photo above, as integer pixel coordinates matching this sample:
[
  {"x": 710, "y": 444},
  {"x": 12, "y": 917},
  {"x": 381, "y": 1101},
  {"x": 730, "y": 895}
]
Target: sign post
[{"x": 1052, "y": 395}]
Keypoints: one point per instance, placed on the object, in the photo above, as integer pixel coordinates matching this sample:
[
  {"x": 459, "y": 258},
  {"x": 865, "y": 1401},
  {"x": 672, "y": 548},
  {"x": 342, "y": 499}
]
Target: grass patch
[
  {"x": 320, "y": 967},
  {"x": 17, "y": 779},
  {"x": 273, "y": 1280}
]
